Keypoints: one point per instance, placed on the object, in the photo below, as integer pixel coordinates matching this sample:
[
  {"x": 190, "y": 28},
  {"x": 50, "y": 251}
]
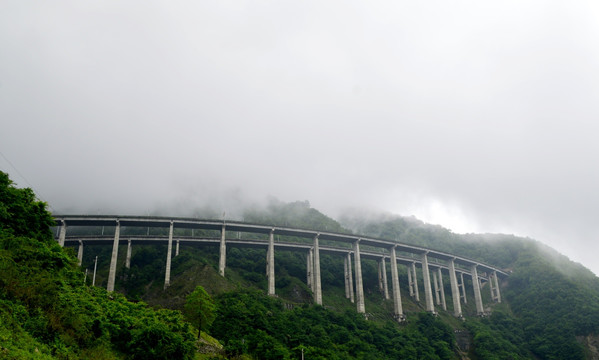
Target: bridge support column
[
  {"x": 383, "y": 278},
  {"x": 415, "y": 282},
  {"x": 455, "y": 291},
  {"x": 128, "y": 258},
  {"x": 442, "y": 289},
  {"x": 223, "y": 253},
  {"x": 80, "y": 253},
  {"x": 397, "y": 308},
  {"x": 270, "y": 263},
  {"x": 95, "y": 268},
  {"x": 478, "y": 300},
  {"x": 497, "y": 292},
  {"x": 359, "y": 285},
  {"x": 437, "y": 290},
  {"x": 410, "y": 283},
  {"x": 491, "y": 287},
  {"x": 115, "y": 253},
  {"x": 428, "y": 292},
  {"x": 346, "y": 277},
  {"x": 350, "y": 279},
  {"x": 177, "y": 248},
  {"x": 317, "y": 283},
  {"x": 463, "y": 286},
  {"x": 63, "y": 233},
  {"x": 169, "y": 253},
  {"x": 309, "y": 269}
]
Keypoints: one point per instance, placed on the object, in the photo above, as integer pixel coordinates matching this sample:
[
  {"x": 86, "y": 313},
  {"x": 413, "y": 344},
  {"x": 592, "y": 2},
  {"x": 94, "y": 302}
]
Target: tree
[{"x": 200, "y": 309}]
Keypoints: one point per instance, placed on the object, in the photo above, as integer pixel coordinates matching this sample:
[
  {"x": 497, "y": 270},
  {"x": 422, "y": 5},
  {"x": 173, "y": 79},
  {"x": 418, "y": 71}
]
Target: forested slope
[
  {"x": 550, "y": 307},
  {"x": 552, "y": 299},
  {"x": 47, "y": 312}
]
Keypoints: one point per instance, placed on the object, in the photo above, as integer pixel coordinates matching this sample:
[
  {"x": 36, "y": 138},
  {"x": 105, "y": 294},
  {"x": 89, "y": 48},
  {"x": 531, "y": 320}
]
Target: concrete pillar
[
  {"x": 309, "y": 269},
  {"x": 442, "y": 289},
  {"x": 115, "y": 253},
  {"x": 410, "y": 282},
  {"x": 169, "y": 253},
  {"x": 63, "y": 233},
  {"x": 491, "y": 287},
  {"x": 317, "y": 283},
  {"x": 428, "y": 292},
  {"x": 415, "y": 282},
  {"x": 498, "y": 293},
  {"x": 177, "y": 248},
  {"x": 359, "y": 285},
  {"x": 128, "y": 258},
  {"x": 80, "y": 253},
  {"x": 397, "y": 308},
  {"x": 223, "y": 253},
  {"x": 385, "y": 287},
  {"x": 95, "y": 268},
  {"x": 478, "y": 300},
  {"x": 455, "y": 291},
  {"x": 346, "y": 277},
  {"x": 270, "y": 263},
  {"x": 463, "y": 286},
  {"x": 380, "y": 275},
  {"x": 437, "y": 291},
  {"x": 351, "y": 279}
]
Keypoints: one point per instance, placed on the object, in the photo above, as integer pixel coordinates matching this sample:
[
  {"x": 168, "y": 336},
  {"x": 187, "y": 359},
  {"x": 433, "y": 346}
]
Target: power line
[{"x": 38, "y": 195}]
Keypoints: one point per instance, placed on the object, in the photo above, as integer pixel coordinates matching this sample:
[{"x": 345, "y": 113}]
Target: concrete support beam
[
  {"x": 115, "y": 253},
  {"x": 491, "y": 287},
  {"x": 415, "y": 282},
  {"x": 397, "y": 307},
  {"x": 383, "y": 270},
  {"x": 270, "y": 263},
  {"x": 177, "y": 248},
  {"x": 310, "y": 269},
  {"x": 169, "y": 254},
  {"x": 436, "y": 287},
  {"x": 128, "y": 258},
  {"x": 498, "y": 293},
  {"x": 455, "y": 290},
  {"x": 317, "y": 283},
  {"x": 442, "y": 289},
  {"x": 494, "y": 287},
  {"x": 463, "y": 286},
  {"x": 351, "y": 279},
  {"x": 428, "y": 292},
  {"x": 380, "y": 275},
  {"x": 95, "y": 268},
  {"x": 80, "y": 253},
  {"x": 223, "y": 252},
  {"x": 346, "y": 277},
  {"x": 410, "y": 282},
  {"x": 478, "y": 300},
  {"x": 63, "y": 234},
  {"x": 359, "y": 285}
]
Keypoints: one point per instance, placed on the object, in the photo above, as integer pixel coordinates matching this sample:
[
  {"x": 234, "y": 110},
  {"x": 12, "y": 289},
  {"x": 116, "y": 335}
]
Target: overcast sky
[{"x": 481, "y": 116}]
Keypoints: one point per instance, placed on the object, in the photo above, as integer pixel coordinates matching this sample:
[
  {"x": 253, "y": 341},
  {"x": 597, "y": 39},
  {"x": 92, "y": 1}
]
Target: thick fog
[{"x": 479, "y": 116}]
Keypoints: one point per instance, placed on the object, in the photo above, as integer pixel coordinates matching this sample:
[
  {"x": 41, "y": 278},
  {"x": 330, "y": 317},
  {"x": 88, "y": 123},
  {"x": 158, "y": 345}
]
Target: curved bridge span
[{"x": 311, "y": 242}]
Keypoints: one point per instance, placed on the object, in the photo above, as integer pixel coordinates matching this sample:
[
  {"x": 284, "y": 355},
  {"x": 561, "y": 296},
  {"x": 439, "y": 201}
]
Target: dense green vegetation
[
  {"x": 551, "y": 299},
  {"x": 249, "y": 321},
  {"x": 46, "y": 310}
]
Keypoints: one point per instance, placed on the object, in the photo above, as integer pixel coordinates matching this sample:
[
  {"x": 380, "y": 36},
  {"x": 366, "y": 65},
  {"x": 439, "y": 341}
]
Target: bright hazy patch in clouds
[
  {"x": 479, "y": 116},
  {"x": 450, "y": 217}
]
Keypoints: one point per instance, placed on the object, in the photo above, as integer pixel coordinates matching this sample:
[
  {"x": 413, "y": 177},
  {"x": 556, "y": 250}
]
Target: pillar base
[{"x": 400, "y": 318}]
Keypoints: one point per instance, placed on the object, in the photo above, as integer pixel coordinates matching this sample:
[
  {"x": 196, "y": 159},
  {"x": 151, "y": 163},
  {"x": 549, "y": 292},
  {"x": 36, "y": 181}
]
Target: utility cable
[{"x": 37, "y": 193}]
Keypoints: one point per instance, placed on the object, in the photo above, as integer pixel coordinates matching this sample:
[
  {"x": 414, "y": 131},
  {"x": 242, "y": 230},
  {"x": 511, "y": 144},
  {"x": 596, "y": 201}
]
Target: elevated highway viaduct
[{"x": 351, "y": 247}]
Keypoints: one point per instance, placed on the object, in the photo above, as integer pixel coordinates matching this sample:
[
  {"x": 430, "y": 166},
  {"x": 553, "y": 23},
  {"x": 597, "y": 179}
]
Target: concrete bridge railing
[{"x": 346, "y": 245}]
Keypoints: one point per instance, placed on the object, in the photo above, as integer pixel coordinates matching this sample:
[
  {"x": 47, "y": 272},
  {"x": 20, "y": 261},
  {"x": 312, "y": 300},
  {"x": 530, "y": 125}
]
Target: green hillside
[{"x": 550, "y": 307}]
